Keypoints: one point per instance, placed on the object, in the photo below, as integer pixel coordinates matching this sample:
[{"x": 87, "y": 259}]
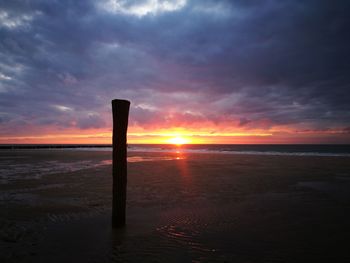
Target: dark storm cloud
[{"x": 61, "y": 62}]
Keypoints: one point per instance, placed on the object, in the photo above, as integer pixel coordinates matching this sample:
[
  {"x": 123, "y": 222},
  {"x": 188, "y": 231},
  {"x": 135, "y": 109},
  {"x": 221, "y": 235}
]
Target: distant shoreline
[
  {"x": 245, "y": 149},
  {"x": 49, "y": 146}
]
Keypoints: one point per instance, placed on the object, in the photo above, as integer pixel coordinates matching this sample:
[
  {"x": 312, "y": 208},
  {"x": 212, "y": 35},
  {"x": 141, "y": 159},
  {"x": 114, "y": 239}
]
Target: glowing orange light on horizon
[
  {"x": 175, "y": 136},
  {"x": 178, "y": 140}
]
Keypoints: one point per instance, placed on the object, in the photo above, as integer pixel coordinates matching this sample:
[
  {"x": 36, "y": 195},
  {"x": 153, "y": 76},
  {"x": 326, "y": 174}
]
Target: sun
[{"x": 177, "y": 140}]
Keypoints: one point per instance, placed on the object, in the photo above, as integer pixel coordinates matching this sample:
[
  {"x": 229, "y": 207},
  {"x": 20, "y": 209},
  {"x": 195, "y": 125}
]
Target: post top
[{"x": 119, "y": 101}]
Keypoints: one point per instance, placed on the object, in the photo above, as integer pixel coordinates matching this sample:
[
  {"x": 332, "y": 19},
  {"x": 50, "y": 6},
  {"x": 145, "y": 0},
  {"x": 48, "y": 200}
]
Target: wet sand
[{"x": 181, "y": 207}]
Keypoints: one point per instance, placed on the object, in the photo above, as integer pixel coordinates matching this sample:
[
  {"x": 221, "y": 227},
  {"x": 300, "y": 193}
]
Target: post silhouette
[{"x": 120, "y": 110}]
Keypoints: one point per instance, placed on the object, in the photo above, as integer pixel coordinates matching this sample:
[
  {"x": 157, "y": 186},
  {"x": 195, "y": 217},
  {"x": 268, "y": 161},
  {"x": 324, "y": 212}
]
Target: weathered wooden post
[{"x": 120, "y": 109}]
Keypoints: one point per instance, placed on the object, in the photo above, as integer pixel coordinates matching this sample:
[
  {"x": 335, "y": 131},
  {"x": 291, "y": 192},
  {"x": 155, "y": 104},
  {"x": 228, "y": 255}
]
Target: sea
[
  {"x": 250, "y": 149},
  {"x": 218, "y": 203}
]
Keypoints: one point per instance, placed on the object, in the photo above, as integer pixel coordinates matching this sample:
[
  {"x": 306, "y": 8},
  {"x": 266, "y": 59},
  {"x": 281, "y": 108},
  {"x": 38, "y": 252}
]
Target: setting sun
[{"x": 178, "y": 140}]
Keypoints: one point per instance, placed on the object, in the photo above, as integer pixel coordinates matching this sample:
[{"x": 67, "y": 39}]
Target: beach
[{"x": 55, "y": 206}]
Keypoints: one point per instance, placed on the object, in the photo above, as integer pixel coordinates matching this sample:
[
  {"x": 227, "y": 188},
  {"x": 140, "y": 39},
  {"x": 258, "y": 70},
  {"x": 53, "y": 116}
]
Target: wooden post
[{"x": 120, "y": 109}]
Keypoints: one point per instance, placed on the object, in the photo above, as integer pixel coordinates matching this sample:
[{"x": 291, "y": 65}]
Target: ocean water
[
  {"x": 245, "y": 203},
  {"x": 286, "y": 149},
  {"x": 14, "y": 166},
  {"x": 251, "y": 149}
]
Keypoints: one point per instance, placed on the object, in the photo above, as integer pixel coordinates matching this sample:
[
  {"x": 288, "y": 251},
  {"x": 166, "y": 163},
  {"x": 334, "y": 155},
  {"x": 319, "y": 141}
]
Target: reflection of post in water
[{"x": 120, "y": 110}]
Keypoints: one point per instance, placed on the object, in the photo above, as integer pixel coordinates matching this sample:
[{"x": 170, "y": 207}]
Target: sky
[{"x": 200, "y": 70}]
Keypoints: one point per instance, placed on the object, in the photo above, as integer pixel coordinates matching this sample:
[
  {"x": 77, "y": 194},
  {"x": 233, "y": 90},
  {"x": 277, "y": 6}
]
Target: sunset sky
[{"x": 200, "y": 71}]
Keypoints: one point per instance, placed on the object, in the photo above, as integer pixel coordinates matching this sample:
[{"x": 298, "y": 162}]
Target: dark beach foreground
[{"x": 55, "y": 206}]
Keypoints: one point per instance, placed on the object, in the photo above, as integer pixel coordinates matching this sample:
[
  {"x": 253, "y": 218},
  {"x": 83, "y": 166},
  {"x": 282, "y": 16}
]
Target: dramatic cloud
[{"x": 219, "y": 66}]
